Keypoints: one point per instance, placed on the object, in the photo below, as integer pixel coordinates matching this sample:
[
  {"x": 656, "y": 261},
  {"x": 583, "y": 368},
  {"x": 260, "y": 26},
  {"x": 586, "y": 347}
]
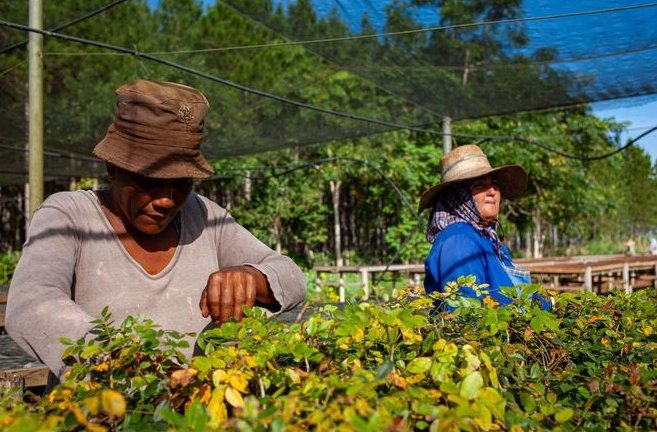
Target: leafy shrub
[
  {"x": 8, "y": 262},
  {"x": 588, "y": 365}
]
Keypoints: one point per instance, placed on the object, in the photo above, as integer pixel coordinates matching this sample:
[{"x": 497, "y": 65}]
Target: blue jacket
[{"x": 461, "y": 250}]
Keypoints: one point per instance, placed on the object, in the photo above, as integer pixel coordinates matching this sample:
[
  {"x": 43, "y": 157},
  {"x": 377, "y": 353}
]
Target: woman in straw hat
[
  {"x": 464, "y": 222},
  {"x": 146, "y": 246}
]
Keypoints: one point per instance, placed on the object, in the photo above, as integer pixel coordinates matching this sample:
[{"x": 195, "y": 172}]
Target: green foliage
[
  {"x": 8, "y": 262},
  {"x": 291, "y": 208},
  {"x": 588, "y": 365}
]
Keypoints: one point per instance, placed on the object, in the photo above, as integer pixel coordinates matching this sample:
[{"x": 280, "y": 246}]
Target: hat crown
[
  {"x": 161, "y": 105},
  {"x": 463, "y": 162},
  {"x": 468, "y": 162},
  {"x": 157, "y": 131}
]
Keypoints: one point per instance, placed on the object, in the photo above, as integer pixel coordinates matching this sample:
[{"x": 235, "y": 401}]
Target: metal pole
[
  {"x": 447, "y": 135},
  {"x": 35, "y": 96}
]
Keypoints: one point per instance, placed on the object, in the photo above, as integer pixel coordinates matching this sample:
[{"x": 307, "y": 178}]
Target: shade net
[{"x": 293, "y": 74}]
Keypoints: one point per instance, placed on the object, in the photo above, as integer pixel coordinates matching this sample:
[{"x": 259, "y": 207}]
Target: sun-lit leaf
[
  {"x": 471, "y": 385},
  {"x": 564, "y": 414},
  {"x": 419, "y": 365},
  {"x": 234, "y": 397},
  {"x": 217, "y": 407},
  {"x": 113, "y": 403}
]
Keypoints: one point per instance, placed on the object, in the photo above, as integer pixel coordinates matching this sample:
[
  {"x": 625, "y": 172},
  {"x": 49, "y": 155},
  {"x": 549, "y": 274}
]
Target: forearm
[
  {"x": 264, "y": 294},
  {"x": 285, "y": 283}
]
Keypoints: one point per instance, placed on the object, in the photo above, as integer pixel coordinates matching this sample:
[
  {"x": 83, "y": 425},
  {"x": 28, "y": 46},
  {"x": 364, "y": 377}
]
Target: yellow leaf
[
  {"x": 92, "y": 427},
  {"x": 79, "y": 415},
  {"x": 113, "y": 403},
  {"x": 219, "y": 377},
  {"x": 183, "y": 377},
  {"x": 604, "y": 341},
  {"x": 238, "y": 381},
  {"x": 216, "y": 407},
  {"x": 234, "y": 398},
  {"x": 52, "y": 421},
  {"x": 293, "y": 375},
  {"x": 397, "y": 380},
  {"x": 92, "y": 405},
  {"x": 595, "y": 318},
  {"x": 490, "y": 302},
  {"x": 205, "y": 394},
  {"x": 103, "y": 367},
  {"x": 250, "y": 361}
]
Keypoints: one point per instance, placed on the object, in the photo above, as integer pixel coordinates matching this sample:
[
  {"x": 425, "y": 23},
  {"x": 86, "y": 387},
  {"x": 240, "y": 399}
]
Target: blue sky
[
  {"x": 639, "y": 113},
  {"x": 642, "y": 118}
]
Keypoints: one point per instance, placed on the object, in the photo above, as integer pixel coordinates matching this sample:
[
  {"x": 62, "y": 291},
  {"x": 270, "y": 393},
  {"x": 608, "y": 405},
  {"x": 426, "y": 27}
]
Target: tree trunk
[
  {"x": 538, "y": 246},
  {"x": 278, "y": 234},
  {"x": 247, "y": 186},
  {"x": 528, "y": 243},
  {"x": 466, "y": 68},
  {"x": 335, "y": 197}
]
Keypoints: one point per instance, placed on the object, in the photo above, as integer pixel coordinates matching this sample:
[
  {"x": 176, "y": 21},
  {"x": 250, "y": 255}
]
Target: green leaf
[
  {"x": 471, "y": 385},
  {"x": 419, "y": 365},
  {"x": 543, "y": 319},
  {"x": 563, "y": 415},
  {"x": 90, "y": 350}
]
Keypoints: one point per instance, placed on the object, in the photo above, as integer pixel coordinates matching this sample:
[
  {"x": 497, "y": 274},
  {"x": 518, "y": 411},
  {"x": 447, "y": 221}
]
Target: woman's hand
[{"x": 229, "y": 289}]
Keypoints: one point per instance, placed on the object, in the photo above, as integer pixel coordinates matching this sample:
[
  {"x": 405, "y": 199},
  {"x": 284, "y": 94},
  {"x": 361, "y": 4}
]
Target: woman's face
[
  {"x": 487, "y": 196},
  {"x": 146, "y": 203}
]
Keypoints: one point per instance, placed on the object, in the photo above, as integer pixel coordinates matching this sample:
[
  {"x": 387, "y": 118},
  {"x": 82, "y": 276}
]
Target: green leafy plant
[
  {"x": 586, "y": 365},
  {"x": 8, "y": 262}
]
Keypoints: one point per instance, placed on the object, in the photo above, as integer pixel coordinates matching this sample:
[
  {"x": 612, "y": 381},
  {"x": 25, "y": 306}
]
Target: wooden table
[{"x": 597, "y": 273}]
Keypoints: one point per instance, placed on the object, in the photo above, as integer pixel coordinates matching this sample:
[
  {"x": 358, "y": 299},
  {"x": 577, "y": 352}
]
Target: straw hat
[
  {"x": 157, "y": 131},
  {"x": 469, "y": 162}
]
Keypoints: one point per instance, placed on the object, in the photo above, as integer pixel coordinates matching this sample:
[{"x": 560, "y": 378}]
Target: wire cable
[
  {"x": 72, "y": 156},
  {"x": 390, "y": 125},
  {"x": 314, "y": 163},
  {"x": 68, "y": 24},
  {"x": 422, "y": 30}
]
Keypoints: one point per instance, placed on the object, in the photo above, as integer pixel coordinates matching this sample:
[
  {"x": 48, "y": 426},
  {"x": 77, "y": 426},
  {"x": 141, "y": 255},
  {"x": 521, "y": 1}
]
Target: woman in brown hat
[
  {"x": 463, "y": 225},
  {"x": 147, "y": 246}
]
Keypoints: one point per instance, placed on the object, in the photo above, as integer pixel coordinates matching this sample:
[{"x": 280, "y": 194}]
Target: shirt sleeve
[
  {"x": 40, "y": 309},
  {"x": 237, "y": 246}
]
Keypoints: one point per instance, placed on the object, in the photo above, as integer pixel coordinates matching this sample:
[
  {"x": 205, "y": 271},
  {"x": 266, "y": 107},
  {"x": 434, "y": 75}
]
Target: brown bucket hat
[
  {"x": 469, "y": 162},
  {"x": 157, "y": 131}
]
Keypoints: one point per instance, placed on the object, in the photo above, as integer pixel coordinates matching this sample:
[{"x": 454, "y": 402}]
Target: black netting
[{"x": 286, "y": 75}]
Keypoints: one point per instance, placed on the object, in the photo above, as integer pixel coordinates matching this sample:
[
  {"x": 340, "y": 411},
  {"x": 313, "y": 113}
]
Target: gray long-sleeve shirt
[{"x": 73, "y": 265}]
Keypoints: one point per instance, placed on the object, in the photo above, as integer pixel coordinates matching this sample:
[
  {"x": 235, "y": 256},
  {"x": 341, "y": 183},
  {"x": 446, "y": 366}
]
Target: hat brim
[
  {"x": 512, "y": 180},
  {"x": 117, "y": 150}
]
